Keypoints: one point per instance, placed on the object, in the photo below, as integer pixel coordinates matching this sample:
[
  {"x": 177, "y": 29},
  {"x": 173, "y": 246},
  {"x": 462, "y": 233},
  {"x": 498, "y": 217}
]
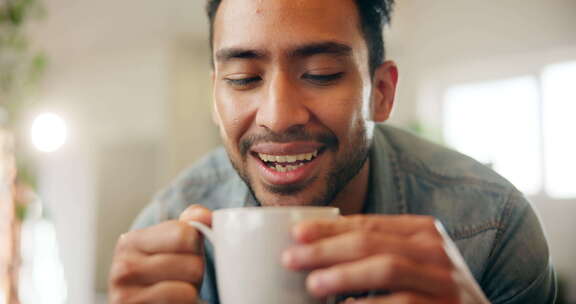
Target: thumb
[{"x": 197, "y": 213}]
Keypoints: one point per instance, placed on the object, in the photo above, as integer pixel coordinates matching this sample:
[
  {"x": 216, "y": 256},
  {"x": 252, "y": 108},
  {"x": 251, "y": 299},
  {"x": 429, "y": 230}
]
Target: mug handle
[{"x": 205, "y": 230}]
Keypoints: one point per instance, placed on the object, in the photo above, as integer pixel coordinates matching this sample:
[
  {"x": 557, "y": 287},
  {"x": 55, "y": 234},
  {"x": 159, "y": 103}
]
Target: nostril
[{"x": 281, "y": 112}]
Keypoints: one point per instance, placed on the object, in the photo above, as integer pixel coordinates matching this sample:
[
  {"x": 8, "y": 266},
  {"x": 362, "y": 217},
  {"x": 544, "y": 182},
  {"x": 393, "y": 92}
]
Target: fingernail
[
  {"x": 193, "y": 213},
  {"x": 287, "y": 258},
  {"x": 298, "y": 233},
  {"x": 321, "y": 280},
  {"x": 349, "y": 300},
  {"x": 302, "y": 252},
  {"x": 294, "y": 256}
]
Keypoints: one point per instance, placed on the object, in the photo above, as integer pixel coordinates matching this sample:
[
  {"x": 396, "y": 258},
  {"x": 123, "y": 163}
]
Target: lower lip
[{"x": 297, "y": 175}]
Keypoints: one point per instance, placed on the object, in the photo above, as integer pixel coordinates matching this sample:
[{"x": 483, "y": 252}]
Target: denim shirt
[{"x": 492, "y": 224}]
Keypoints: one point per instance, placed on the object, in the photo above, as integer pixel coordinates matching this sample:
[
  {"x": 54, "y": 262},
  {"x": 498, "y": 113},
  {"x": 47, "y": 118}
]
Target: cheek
[
  {"x": 234, "y": 113},
  {"x": 342, "y": 110}
]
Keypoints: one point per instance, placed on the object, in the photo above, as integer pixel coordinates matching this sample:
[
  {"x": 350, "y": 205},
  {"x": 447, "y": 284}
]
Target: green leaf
[{"x": 21, "y": 212}]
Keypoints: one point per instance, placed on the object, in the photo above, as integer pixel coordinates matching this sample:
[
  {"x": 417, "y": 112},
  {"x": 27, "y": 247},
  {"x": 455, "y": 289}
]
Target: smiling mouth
[{"x": 287, "y": 163}]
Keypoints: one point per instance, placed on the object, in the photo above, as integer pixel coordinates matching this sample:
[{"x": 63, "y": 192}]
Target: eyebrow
[
  {"x": 303, "y": 51},
  {"x": 238, "y": 53},
  {"x": 332, "y": 48}
]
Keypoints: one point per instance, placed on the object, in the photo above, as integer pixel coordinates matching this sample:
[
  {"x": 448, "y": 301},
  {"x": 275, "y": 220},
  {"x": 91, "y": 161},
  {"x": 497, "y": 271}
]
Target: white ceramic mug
[{"x": 248, "y": 244}]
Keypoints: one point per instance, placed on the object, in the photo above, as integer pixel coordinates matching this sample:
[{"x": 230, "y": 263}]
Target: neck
[{"x": 351, "y": 199}]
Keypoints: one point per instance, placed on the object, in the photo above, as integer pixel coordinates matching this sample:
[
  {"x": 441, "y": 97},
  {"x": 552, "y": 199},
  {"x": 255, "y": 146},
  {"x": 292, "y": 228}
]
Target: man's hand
[
  {"x": 160, "y": 264},
  {"x": 409, "y": 256}
]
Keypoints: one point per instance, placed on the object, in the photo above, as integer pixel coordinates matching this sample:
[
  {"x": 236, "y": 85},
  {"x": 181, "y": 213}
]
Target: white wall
[
  {"x": 191, "y": 131},
  {"x": 109, "y": 77},
  {"x": 138, "y": 115},
  {"x": 114, "y": 102}
]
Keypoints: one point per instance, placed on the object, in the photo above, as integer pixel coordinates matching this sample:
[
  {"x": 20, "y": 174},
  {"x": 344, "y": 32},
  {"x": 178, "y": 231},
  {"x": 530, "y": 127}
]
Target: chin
[
  {"x": 285, "y": 204},
  {"x": 300, "y": 198},
  {"x": 280, "y": 202}
]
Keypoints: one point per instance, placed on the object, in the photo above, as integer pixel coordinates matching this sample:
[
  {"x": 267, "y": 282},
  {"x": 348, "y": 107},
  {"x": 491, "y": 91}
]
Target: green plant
[
  {"x": 21, "y": 67},
  {"x": 429, "y": 132}
]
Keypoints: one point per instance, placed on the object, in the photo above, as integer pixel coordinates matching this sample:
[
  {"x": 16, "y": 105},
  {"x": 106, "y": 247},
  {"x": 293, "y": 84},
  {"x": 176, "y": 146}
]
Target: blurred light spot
[{"x": 48, "y": 132}]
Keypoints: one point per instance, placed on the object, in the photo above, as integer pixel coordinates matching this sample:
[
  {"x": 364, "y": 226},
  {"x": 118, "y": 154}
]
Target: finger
[
  {"x": 400, "y": 298},
  {"x": 173, "y": 292},
  {"x": 124, "y": 295},
  {"x": 162, "y": 292},
  {"x": 361, "y": 244},
  {"x": 404, "y": 225},
  {"x": 383, "y": 272},
  {"x": 197, "y": 213},
  {"x": 167, "y": 237},
  {"x": 147, "y": 270}
]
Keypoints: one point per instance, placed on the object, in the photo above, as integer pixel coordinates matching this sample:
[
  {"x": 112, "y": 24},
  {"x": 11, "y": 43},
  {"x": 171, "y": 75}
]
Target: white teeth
[
  {"x": 287, "y": 168},
  {"x": 305, "y": 156},
  {"x": 287, "y": 158}
]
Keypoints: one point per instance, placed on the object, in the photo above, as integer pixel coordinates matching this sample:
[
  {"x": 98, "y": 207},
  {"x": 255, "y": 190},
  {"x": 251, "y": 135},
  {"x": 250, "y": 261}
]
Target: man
[{"x": 298, "y": 89}]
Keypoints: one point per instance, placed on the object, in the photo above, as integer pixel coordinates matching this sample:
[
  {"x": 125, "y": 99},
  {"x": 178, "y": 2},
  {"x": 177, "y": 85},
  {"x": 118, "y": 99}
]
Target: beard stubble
[{"x": 342, "y": 169}]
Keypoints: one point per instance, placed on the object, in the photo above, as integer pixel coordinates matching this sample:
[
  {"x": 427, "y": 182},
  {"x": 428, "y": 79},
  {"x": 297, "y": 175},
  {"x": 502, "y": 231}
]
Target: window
[
  {"x": 523, "y": 127},
  {"x": 559, "y": 129}
]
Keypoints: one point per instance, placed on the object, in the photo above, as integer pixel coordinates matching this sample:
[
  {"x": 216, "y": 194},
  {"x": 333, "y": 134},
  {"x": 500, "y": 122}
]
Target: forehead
[{"x": 270, "y": 24}]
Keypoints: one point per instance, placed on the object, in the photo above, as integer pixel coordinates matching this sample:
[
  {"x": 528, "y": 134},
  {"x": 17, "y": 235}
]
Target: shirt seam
[
  {"x": 505, "y": 213},
  {"x": 397, "y": 177},
  {"x": 470, "y": 233},
  {"x": 502, "y": 226}
]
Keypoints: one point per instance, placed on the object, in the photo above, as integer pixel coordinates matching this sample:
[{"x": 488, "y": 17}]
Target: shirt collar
[{"x": 386, "y": 187}]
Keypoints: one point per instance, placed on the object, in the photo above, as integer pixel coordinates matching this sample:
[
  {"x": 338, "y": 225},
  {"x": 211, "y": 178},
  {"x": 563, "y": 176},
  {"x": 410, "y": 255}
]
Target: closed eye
[
  {"x": 242, "y": 83},
  {"x": 323, "y": 79}
]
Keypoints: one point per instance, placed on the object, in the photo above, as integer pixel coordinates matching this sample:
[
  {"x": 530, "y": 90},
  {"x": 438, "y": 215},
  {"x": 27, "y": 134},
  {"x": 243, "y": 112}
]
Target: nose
[{"x": 282, "y": 108}]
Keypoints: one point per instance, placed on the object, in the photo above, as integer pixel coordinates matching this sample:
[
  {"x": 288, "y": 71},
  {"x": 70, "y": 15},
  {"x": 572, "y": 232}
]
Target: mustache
[{"x": 294, "y": 134}]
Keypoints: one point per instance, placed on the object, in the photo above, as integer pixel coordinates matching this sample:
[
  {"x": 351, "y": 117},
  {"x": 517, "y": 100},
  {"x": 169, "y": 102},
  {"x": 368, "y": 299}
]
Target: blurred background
[{"x": 109, "y": 100}]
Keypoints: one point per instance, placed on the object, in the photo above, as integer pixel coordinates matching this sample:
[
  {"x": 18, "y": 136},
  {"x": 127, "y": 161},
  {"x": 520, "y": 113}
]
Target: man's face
[{"x": 292, "y": 96}]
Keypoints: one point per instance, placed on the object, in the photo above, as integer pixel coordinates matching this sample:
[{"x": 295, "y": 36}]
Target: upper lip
[{"x": 291, "y": 148}]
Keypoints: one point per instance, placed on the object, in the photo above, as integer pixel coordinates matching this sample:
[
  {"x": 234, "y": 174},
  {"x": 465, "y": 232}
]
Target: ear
[{"x": 384, "y": 84}]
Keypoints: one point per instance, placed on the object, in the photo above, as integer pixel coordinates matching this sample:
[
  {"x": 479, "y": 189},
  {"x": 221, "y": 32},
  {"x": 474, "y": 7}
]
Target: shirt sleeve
[
  {"x": 151, "y": 215},
  {"x": 520, "y": 270}
]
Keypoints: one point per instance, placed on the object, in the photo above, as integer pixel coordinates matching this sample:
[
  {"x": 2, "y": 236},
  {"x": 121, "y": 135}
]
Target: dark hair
[{"x": 374, "y": 15}]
